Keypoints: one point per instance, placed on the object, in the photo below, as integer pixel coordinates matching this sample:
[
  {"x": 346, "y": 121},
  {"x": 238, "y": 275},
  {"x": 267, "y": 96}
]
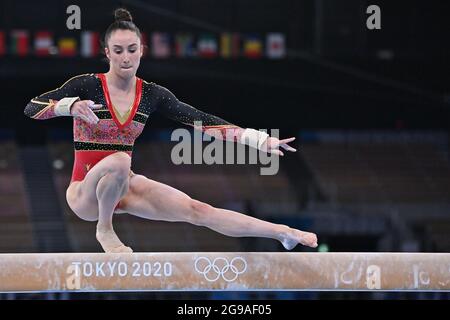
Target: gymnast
[{"x": 109, "y": 112}]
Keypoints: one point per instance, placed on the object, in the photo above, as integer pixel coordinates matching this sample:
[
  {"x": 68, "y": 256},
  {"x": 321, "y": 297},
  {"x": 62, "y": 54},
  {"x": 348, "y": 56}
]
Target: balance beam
[{"x": 234, "y": 271}]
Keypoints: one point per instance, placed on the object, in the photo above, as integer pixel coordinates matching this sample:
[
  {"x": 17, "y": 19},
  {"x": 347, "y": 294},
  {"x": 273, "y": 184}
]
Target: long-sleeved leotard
[{"x": 114, "y": 132}]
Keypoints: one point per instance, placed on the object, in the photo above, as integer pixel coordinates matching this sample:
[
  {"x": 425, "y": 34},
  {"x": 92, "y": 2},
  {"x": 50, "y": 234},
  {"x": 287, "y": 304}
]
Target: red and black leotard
[{"x": 93, "y": 142}]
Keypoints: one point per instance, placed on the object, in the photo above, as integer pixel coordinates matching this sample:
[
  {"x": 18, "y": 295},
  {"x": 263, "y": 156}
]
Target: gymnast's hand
[
  {"x": 272, "y": 145},
  {"x": 83, "y": 109}
]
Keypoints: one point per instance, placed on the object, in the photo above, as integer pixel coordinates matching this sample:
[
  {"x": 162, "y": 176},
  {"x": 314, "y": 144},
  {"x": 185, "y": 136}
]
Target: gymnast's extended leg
[{"x": 156, "y": 201}]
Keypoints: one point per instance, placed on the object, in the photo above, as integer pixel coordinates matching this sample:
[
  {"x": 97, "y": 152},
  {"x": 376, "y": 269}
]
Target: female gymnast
[{"x": 109, "y": 112}]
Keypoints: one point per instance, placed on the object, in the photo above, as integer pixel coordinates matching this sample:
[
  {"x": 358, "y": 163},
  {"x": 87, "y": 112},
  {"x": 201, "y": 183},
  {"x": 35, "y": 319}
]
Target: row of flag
[{"x": 159, "y": 45}]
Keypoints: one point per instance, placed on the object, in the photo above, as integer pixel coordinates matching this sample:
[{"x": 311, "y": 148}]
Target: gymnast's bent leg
[{"x": 96, "y": 197}]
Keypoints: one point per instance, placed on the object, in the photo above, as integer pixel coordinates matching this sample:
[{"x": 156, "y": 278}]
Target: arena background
[{"x": 369, "y": 108}]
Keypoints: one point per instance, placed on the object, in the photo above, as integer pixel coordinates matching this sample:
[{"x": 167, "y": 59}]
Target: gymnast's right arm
[{"x": 63, "y": 101}]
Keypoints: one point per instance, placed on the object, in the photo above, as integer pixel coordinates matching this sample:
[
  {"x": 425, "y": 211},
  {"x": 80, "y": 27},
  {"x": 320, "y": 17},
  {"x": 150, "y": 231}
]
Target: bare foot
[
  {"x": 290, "y": 238},
  {"x": 111, "y": 243}
]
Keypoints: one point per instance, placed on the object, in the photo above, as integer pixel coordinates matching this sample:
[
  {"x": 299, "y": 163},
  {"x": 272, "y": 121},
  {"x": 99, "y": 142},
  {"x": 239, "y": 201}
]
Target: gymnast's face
[{"x": 124, "y": 51}]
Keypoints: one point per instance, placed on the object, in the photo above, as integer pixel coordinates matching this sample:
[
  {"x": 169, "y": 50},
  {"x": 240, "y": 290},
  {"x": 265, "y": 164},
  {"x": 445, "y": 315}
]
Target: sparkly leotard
[{"x": 114, "y": 132}]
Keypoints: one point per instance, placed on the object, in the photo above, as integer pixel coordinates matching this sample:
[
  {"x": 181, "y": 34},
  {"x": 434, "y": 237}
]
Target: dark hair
[{"x": 122, "y": 21}]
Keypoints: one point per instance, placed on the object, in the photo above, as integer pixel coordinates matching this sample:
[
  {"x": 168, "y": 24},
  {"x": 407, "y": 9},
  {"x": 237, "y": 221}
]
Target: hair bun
[{"x": 122, "y": 15}]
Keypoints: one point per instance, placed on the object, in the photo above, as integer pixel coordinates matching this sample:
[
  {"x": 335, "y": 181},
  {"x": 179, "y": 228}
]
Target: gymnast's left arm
[{"x": 214, "y": 126}]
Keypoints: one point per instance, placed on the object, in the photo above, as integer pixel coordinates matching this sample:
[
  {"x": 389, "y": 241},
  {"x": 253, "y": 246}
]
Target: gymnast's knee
[
  {"x": 117, "y": 178},
  {"x": 119, "y": 169},
  {"x": 199, "y": 211}
]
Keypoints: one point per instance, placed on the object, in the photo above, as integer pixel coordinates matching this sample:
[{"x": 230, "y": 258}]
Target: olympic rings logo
[{"x": 220, "y": 267}]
